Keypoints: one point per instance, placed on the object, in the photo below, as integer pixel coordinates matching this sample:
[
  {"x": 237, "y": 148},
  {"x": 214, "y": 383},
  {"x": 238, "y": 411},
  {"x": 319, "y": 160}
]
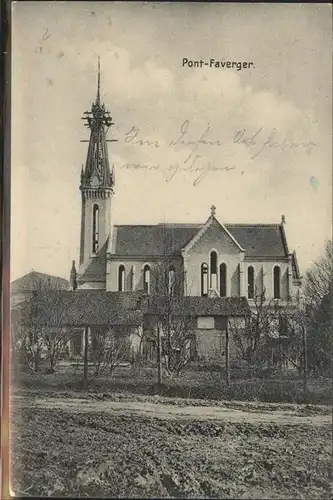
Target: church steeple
[
  {"x": 97, "y": 173},
  {"x": 97, "y": 181}
]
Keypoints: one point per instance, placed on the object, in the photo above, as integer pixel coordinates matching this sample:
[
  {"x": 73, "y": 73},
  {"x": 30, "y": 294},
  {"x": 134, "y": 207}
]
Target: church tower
[{"x": 97, "y": 183}]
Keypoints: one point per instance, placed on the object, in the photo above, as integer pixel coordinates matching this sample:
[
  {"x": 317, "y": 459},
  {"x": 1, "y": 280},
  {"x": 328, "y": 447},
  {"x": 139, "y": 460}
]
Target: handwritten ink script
[
  {"x": 200, "y": 171},
  {"x": 45, "y": 36},
  {"x": 259, "y": 143},
  {"x": 197, "y": 150}
]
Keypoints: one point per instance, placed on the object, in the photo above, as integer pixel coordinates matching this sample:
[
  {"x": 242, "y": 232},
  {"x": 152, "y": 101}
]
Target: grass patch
[{"x": 192, "y": 383}]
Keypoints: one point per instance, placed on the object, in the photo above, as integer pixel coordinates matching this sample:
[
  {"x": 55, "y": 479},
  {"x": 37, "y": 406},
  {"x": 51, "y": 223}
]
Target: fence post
[
  {"x": 305, "y": 360},
  {"x": 85, "y": 357},
  {"x": 159, "y": 356},
  {"x": 227, "y": 356},
  {"x": 280, "y": 355}
]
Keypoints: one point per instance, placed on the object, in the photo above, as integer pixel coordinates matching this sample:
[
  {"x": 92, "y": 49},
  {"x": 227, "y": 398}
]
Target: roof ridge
[
  {"x": 139, "y": 225},
  {"x": 256, "y": 224},
  {"x": 161, "y": 224},
  {"x": 39, "y": 274},
  {"x": 195, "y": 224}
]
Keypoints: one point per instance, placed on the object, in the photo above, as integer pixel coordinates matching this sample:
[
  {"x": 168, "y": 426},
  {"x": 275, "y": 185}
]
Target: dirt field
[{"x": 109, "y": 445}]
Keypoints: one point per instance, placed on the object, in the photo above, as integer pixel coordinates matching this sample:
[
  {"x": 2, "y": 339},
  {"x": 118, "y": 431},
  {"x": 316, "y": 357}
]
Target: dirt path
[{"x": 165, "y": 411}]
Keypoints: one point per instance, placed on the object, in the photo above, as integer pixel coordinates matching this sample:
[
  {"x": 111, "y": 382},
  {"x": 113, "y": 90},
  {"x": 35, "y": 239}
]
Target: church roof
[
  {"x": 100, "y": 308},
  {"x": 94, "y": 269},
  {"x": 31, "y": 281},
  {"x": 154, "y": 240},
  {"x": 295, "y": 267},
  {"x": 258, "y": 240}
]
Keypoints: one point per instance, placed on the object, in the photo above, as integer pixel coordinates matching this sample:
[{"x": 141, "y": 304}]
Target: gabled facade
[{"x": 231, "y": 260}]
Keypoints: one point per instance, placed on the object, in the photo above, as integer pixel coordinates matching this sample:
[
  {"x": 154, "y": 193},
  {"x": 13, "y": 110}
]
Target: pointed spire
[
  {"x": 98, "y": 120},
  {"x": 73, "y": 277},
  {"x": 98, "y": 98}
]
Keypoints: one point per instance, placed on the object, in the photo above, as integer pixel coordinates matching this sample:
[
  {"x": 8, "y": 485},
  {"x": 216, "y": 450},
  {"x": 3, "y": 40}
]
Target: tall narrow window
[
  {"x": 277, "y": 282},
  {"x": 171, "y": 280},
  {"x": 95, "y": 228},
  {"x": 223, "y": 280},
  {"x": 133, "y": 278},
  {"x": 250, "y": 282},
  {"x": 146, "y": 278},
  {"x": 121, "y": 279},
  {"x": 204, "y": 279},
  {"x": 213, "y": 270}
]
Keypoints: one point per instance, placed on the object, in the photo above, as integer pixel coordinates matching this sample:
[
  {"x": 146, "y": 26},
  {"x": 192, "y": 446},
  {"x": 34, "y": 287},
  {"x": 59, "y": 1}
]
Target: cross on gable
[{"x": 213, "y": 210}]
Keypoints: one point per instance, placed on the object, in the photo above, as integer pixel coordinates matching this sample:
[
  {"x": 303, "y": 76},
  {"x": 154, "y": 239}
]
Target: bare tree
[
  {"x": 176, "y": 328},
  {"x": 109, "y": 349},
  {"x": 27, "y": 340},
  {"x": 318, "y": 305},
  {"x": 55, "y": 332},
  {"x": 252, "y": 338},
  {"x": 168, "y": 304},
  {"x": 319, "y": 279},
  {"x": 39, "y": 326},
  {"x": 174, "y": 322},
  {"x": 291, "y": 335}
]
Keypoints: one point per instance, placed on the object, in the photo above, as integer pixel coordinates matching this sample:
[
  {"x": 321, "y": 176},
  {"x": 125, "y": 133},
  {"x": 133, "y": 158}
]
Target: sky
[{"x": 255, "y": 142}]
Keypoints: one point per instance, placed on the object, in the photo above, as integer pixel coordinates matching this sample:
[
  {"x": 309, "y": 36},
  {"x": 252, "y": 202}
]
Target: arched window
[
  {"x": 171, "y": 280},
  {"x": 146, "y": 278},
  {"x": 277, "y": 282},
  {"x": 95, "y": 228},
  {"x": 250, "y": 282},
  {"x": 121, "y": 278},
  {"x": 204, "y": 279},
  {"x": 213, "y": 269},
  {"x": 223, "y": 280}
]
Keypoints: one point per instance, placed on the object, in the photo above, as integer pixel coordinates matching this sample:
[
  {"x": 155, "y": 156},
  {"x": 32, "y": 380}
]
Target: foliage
[
  {"x": 318, "y": 303},
  {"x": 319, "y": 279}
]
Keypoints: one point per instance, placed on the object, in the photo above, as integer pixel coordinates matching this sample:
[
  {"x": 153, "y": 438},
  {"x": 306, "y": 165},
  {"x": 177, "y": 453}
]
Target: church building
[
  {"x": 210, "y": 258},
  {"x": 198, "y": 283},
  {"x": 217, "y": 268}
]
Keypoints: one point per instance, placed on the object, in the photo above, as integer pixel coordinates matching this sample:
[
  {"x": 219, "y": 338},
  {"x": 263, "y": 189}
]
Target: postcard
[{"x": 171, "y": 251}]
